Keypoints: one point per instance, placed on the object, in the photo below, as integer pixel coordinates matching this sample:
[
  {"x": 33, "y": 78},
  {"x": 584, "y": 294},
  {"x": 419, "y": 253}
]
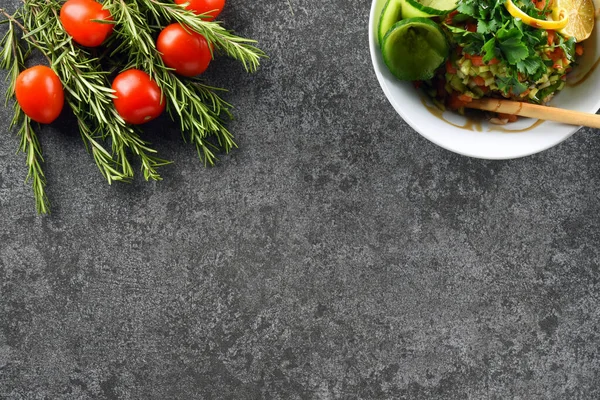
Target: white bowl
[{"x": 482, "y": 139}]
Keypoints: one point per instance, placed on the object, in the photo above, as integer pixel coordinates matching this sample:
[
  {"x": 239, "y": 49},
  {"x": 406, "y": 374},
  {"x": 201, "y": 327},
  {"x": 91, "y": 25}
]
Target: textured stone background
[{"x": 336, "y": 254}]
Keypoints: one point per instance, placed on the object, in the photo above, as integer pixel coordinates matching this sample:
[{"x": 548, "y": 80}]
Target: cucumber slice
[
  {"x": 410, "y": 11},
  {"x": 414, "y": 48},
  {"x": 427, "y": 8},
  {"x": 392, "y": 13}
]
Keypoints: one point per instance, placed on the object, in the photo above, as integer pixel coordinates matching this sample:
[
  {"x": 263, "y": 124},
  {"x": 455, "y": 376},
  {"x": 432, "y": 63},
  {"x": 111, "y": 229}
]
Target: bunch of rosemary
[{"x": 194, "y": 105}]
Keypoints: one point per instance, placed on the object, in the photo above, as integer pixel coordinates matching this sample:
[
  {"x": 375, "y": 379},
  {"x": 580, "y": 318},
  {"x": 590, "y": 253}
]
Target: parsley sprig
[{"x": 501, "y": 36}]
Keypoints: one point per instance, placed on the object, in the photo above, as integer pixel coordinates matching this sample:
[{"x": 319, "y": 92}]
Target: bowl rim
[{"x": 374, "y": 49}]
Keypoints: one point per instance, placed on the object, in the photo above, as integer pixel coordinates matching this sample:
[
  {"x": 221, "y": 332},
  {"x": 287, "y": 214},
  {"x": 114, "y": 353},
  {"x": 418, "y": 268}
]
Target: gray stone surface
[{"x": 335, "y": 255}]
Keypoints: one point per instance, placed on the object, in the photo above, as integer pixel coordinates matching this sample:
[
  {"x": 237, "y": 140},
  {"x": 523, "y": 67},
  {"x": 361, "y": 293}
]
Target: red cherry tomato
[
  {"x": 40, "y": 94},
  {"x": 210, "y": 7},
  {"x": 186, "y": 51},
  {"x": 138, "y": 98},
  {"x": 76, "y": 17}
]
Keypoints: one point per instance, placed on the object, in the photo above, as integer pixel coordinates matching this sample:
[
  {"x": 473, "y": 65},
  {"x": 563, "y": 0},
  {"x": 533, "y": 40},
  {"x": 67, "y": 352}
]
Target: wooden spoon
[{"x": 536, "y": 111}]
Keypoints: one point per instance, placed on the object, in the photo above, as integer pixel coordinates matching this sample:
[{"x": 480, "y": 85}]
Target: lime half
[
  {"x": 414, "y": 48},
  {"x": 427, "y": 8}
]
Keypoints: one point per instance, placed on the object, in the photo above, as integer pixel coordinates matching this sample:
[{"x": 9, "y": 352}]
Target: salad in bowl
[{"x": 433, "y": 58}]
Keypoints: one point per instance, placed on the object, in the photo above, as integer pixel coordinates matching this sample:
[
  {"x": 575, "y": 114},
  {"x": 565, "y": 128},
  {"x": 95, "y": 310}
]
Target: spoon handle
[{"x": 536, "y": 111}]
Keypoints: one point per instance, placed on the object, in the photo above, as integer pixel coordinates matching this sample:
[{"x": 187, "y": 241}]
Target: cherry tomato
[
  {"x": 212, "y": 8},
  {"x": 76, "y": 17},
  {"x": 40, "y": 94},
  {"x": 138, "y": 98},
  {"x": 186, "y": 51}
]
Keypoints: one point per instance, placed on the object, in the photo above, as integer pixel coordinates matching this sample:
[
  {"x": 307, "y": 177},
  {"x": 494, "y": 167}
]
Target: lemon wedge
[
  {"x": 561, "y": 15},
  {"x": 581, "y": 15}
]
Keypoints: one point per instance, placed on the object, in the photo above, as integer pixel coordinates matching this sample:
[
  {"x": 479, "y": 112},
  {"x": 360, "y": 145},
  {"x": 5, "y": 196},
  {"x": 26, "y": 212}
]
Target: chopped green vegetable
[{"x": 501, "y": 36}]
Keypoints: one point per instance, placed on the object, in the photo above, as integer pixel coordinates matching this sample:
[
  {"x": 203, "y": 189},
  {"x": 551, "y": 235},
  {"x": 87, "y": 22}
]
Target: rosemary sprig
[
  {"x": 236, "y": 47},
  {"x": 196, "y": 106},
  {"x": 90, "y": 97},
  {"x": 13, "y": 55},
  {"x": 12, "y": 59},
  {"x": 31, "y": 146},
  {"x": 85, "y": 75}
]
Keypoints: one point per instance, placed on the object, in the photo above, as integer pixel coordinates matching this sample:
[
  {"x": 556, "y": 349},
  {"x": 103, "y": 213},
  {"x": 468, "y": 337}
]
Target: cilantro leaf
[
  {"x": 534, "y": 38},
  {"x": 568, "y": 47},
  {"x": 467, "y": 7},
  {"x": 510, "y": 85},
  {"x": 485, "y": 26},
  {"x": 511, "y": 46},
  {"x": 471, "y": 41},
  {"x": 497, "y": 10},
  {"x": 489, "y": 50},
  {"x": 533, "y": 67}
]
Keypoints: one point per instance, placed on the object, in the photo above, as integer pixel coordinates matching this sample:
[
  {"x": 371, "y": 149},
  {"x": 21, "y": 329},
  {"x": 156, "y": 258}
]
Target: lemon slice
[
  {"x": 562, "y": 21},
  {"x": 581, "y": 15}
]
